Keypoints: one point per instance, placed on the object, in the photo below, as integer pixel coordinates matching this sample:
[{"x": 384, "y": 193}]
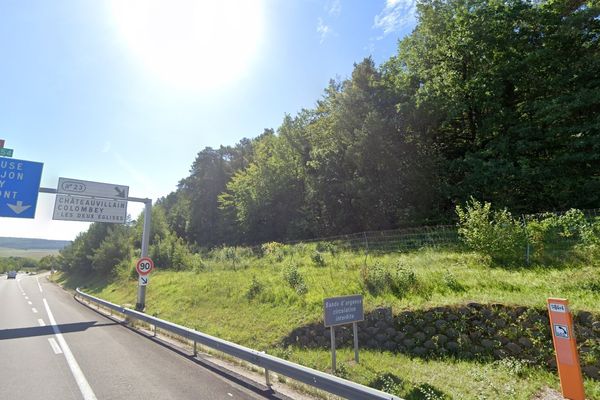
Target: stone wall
[{"x": 473, "y": 331}]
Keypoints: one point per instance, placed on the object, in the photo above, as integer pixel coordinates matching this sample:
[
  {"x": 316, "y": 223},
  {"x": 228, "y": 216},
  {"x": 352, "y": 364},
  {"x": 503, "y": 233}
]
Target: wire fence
[
  {"x": 555, "y": 242},
  {"x": 397, "y": 240}
]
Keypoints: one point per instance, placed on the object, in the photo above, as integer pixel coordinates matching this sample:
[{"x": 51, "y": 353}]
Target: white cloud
[
  {"x": 323, "y": 30},
  {"x": 334, "y": 8},
  {"x": 396, "y": 15},
  {"x": 107, "y": 146}
]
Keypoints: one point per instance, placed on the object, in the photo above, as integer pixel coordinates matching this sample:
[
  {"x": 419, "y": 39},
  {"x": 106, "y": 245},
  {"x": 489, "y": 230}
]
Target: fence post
[
  {"x": 526, "y": 240},
  {"x": 366, "y": 246}
]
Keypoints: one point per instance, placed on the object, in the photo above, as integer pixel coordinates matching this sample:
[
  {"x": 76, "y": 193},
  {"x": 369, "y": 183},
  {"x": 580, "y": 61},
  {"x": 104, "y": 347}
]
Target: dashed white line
[
  {"x": 26, "y": 297},
  {"x": 30, "y": 303},
  {"x": 41, "y": 322},
  {"x": 34, "y": 310},
  {"x": 84, "y": 386},
  {"x": 55, "y": 346},
  {"x": 38, "y": 282}
]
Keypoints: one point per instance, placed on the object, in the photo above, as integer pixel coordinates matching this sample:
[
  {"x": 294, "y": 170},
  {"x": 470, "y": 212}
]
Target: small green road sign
[{"x": 4, "y": 152}]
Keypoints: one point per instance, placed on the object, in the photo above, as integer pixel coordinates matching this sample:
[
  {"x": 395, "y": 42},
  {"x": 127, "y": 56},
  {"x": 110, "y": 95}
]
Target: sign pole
[
  {"x": 355, "y": 332},
  {"x": 332, "y": 330},
  {"x": 141, "y": 295},
  {"x": 565, "y": 346}
]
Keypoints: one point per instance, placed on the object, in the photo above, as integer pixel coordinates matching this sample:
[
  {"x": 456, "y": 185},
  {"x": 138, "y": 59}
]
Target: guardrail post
[
  {"x": 267, "y": 378},
  {"x": 195, "y": 348}
]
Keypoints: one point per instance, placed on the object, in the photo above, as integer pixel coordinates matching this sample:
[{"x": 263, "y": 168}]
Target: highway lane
[{"x": 89, "y": 356}]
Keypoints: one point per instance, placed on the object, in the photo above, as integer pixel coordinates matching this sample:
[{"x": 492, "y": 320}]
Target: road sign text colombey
[{"x": 73, "y": 208}]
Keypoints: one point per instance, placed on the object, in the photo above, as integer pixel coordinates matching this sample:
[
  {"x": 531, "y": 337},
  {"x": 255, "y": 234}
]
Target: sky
[{"x": 128, "y": 92}]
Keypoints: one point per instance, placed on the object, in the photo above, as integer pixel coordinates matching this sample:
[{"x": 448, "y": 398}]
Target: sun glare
[{"x": 192, "y": 44}]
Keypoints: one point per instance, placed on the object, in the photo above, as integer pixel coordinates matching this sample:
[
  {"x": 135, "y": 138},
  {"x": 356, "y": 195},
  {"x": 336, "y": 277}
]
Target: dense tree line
[
  {"x": 495, "y": 99},
  {"x": 498, "y": 100}
]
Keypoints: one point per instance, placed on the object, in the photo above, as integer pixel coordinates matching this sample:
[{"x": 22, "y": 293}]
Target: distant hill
[{"x": 32, "y": 244}]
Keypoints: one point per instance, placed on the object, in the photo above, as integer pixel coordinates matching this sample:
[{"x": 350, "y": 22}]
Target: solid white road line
[
  {"x": 41, "y": 322},
  {"x": 55, "y": 346},
  {"x": 84, "y": 386},
  {"x": 34, "y": 310},
  {"x": 38, "y": 282}
]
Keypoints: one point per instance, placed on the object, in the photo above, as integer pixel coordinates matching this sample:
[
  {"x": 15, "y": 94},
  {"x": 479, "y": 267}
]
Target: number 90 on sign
[{"x": 144, "y": 266}]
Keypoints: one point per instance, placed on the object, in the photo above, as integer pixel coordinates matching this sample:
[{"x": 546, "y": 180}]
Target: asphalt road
[{"x": 52, "y": 347}]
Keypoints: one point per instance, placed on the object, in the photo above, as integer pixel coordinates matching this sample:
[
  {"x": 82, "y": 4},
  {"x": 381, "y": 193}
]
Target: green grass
[
  {"x": 215, "y": 299},
  {"x": 34, "y": 254}
]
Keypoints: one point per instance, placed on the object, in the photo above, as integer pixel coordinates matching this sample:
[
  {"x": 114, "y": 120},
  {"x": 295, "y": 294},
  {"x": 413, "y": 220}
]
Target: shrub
[
  {"x": 550, "y": 233},
  {"x": 399, "y": 280},
  {"x": 255, "y": 289},
  {"x": 294, "y": 278},
  {"x": 171, "y": 252},
  {"x": 324, "y": 247},
  {"x": 273, "y": 249},
  {"x": 318, "y": 259},
  {"x": 495, "y": 234},
  {"x": 234, "y": 257}
]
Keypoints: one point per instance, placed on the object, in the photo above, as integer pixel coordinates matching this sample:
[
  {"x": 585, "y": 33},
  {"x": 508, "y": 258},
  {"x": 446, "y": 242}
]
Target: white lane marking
[
  {"x": 84, "y": 386},
  {"x": 34, "y": 310},
  {"x": 38, "y": 282},
  {"x": 229, "y": 394},
  {"x": 55, "y": 346},
  {"x": 30, "y": 303},
  {"x": 26, "y": 297},
  {"x": 41, "y": 322}
]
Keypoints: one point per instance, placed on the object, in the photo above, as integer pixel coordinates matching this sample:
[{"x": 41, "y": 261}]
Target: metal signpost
[
  {"x": 340, "y": 311},
  {"x": 19, "y": 187},
  {"x": 141, "y": 297}
]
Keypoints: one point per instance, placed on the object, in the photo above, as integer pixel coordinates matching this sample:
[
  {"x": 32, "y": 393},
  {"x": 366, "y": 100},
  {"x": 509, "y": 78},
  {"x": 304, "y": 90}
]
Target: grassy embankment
[
  {"x": 35, "y": 254},
  {"x": 258, "y": 301}
]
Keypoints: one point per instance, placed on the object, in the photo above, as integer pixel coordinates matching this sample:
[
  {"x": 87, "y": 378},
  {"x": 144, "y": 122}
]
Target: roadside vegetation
[
  {"x": 476, "y": 122},
  {"x": 262, "y": 296}
]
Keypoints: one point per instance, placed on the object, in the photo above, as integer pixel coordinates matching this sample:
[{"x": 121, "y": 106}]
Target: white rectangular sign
[
  {"x": 143, "y": 281},
  {"x": 343, "y": 310},
  {"x": 558, "y": 308},
  {"x": 77, "y": 187},
  {"x": 88, "y": 209}
]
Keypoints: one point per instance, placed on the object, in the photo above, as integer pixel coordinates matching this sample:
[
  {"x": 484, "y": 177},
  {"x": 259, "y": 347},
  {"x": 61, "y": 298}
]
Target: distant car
[{"x": 11, "y": 275}]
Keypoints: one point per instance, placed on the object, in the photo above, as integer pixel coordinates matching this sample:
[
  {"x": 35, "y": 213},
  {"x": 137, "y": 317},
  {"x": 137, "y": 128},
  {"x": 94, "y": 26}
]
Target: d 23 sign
[{"x": 144, "y": 266}]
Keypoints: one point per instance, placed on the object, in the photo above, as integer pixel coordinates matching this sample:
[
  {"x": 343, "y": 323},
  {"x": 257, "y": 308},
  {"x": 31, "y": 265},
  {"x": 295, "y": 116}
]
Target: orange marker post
[{"x": 565, "y": 346}]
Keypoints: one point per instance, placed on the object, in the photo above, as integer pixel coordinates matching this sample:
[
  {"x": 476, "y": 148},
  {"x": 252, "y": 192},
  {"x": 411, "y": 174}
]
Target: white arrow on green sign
[{"x": 4, "y": 152}]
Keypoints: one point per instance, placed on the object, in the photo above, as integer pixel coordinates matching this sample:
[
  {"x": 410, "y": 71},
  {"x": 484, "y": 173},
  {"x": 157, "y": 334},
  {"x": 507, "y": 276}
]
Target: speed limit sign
[{"x": 144, "y": 266}]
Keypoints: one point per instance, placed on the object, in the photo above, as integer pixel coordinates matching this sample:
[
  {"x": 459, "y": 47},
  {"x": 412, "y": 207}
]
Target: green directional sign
[{"x": 4, "y": 152}]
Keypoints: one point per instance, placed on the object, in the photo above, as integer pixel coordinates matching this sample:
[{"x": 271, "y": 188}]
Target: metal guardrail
[{"x": 320, "y": 380}]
